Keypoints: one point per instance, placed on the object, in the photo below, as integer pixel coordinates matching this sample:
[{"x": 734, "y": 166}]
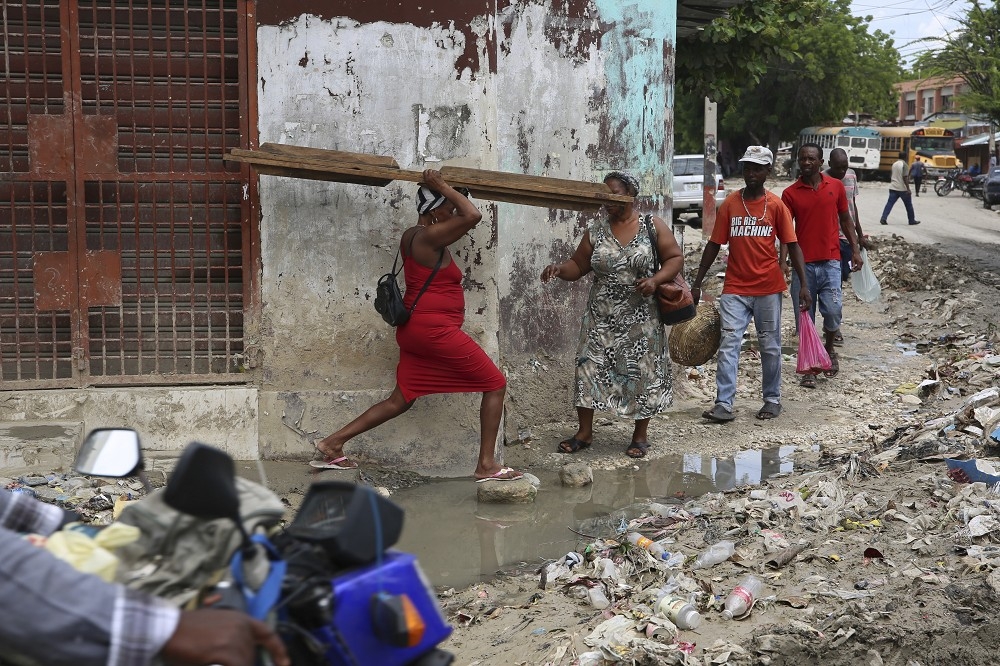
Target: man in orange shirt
[{"x": 751, "y": 221}]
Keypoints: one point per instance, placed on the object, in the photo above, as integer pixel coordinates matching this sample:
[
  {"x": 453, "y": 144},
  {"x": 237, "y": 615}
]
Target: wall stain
[
  {"x": 304, "y": 60},
  {"x": 451, "y": 15}
]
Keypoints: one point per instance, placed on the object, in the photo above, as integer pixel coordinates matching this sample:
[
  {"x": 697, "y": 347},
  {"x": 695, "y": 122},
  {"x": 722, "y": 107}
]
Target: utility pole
[{"x": 710, "y": 187}]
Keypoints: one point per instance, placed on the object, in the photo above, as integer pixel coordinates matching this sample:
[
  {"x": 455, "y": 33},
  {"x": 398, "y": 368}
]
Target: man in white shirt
[{"x": 899, "y": 188}]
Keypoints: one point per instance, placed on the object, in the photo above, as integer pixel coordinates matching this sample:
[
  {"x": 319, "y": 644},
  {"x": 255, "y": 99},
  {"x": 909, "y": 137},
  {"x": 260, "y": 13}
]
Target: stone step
[{"x": 38, "y": 446}]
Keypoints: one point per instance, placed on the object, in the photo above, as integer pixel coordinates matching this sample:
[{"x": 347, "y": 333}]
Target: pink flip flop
[
  {"x": 499, "y": 475},
  {"x": 335, "y": 463}
]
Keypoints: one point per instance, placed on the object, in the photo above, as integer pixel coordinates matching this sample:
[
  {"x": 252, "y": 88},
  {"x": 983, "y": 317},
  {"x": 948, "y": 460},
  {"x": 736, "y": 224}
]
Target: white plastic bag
[{"x": 864, "y": 282}]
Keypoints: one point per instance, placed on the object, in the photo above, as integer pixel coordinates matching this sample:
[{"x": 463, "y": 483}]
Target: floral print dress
[{"x": 622, "y": 364}]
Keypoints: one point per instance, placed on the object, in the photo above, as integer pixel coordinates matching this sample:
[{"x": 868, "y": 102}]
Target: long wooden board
[{"x": 361, "y": 168}]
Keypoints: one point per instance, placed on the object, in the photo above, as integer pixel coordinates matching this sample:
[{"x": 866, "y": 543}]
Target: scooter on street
[{"x": 329, "y": 581}]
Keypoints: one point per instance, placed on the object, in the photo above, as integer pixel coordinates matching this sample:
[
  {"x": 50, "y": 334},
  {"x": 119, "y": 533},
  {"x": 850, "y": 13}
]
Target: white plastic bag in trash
[{"x": 865, "y": 283}]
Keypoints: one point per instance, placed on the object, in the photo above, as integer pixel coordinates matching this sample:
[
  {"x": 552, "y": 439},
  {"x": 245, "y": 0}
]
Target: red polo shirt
[{"x": 817, "y": 216}]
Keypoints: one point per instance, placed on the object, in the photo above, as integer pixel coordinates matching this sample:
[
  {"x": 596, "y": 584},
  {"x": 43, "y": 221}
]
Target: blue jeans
[
  {"x": 736, "y": 312},
  {"x": 823, "y": 278},
  {"x": 907, "y": 203}
]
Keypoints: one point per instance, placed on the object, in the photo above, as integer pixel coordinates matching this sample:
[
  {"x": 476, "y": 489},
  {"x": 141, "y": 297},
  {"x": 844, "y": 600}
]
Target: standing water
[{"x": 460, "y": 542}]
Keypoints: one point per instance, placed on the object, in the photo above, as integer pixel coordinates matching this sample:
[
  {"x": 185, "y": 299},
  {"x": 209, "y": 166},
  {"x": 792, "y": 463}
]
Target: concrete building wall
[{"x": 569, "y": 89}]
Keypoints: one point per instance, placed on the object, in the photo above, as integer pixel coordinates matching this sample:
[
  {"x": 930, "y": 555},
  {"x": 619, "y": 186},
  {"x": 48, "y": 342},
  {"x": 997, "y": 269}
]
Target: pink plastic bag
[{"x": 813, "y": 358}]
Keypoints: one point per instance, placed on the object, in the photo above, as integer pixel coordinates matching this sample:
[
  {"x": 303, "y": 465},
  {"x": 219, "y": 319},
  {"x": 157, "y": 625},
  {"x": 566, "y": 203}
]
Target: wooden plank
[
  {"x": 310, "y": 163},
  {"x": 522, "y": 181},
  {"x": 324, "y": 154},
  {"x": 541, "y": 202},
  {"x": 304, "y": 153}
]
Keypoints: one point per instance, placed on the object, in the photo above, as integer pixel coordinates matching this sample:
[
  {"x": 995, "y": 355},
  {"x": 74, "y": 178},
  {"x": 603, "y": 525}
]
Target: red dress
[{"x": 435, "y": 355}]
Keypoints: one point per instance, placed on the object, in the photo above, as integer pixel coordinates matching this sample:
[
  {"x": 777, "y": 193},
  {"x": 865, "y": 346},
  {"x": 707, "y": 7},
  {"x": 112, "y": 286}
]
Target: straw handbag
[{"x": 695, "y": 341}]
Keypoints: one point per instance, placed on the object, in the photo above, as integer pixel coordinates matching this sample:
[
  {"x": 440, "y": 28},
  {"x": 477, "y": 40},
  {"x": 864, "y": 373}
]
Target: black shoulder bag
[{"x": 388, "y": 298}]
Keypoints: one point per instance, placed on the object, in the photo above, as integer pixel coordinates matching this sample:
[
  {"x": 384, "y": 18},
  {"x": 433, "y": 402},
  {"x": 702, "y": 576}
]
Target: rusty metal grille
[
  {"x": 33, "y": 213},
  {"x": 120, "y": 190}
]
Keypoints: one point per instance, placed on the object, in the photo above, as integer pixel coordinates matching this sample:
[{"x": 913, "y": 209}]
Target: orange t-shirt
[{"x": 753, "y": 268}]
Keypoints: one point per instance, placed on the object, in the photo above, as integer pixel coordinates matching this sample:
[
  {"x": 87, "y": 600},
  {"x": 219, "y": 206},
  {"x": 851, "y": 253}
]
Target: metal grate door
[{"x": 124, "y": 237}]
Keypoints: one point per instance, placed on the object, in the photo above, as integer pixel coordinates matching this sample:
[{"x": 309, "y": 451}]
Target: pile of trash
[
  {"x": 815, "y": 563},
  {"x": 96, "y": 501}
]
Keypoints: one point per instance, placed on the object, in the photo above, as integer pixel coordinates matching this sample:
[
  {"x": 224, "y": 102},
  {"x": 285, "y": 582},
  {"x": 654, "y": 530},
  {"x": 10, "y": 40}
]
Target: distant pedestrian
[
  {"x": 818, "y": 202},
  {"x": 899, "y": 188},
  {"x": 993, "y": 161},
  {"x": 917, "y": 171},
  {"x": 838, "y": 169},
  {"x": 749, "y": 221}
]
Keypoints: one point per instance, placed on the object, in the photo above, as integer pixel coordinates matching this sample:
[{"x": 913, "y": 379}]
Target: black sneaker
[
  {"x": 915, "y": 222},
  {"x": 882, "y": 222}
]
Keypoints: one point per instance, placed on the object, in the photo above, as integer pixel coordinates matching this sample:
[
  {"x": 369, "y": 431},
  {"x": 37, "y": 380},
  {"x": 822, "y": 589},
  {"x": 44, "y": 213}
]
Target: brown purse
[{"x": 673, "y": 299}]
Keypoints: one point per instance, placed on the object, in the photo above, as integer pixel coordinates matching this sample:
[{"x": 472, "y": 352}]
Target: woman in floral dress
[{"x": 622, "y": 364}]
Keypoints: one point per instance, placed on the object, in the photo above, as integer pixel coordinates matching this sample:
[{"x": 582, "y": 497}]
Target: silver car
[{"x": 689, "y": 178}]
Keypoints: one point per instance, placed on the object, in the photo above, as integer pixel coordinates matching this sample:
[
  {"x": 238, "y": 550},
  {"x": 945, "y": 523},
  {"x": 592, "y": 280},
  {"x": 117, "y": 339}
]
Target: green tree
[
  {"x": 972, "y": 51},
  {"x": 776, "y": 66}
]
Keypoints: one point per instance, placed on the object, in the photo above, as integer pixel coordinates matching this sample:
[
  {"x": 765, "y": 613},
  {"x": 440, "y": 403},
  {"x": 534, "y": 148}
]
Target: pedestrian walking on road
[
  {"x": 917, "y": 171},
  {"x": 838, "y": 169},
  {"x": 818, "y": 202},
  {"x": 749, "y": 221},
  {"x": 899, "y": 188}
]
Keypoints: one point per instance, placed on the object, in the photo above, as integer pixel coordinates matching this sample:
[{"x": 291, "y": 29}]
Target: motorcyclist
[{"x": 58, "y": 616}]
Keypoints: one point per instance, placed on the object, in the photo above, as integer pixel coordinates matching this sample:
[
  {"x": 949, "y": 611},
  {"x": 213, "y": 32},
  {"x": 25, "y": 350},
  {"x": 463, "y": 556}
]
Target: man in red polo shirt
[{"x": 818, "y": 202}]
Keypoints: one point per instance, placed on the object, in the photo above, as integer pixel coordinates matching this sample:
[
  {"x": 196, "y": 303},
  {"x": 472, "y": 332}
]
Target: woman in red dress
[{"x": 435, "y": 355}]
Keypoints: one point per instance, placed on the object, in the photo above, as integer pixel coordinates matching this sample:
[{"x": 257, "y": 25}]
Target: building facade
[{"x": 147, "y": 282}]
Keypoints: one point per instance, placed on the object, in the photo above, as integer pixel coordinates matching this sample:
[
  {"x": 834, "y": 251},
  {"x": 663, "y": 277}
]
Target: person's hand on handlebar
[{"x": 224, "y": 637}]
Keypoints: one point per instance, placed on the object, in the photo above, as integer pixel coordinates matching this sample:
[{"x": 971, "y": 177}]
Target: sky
[{"x": 911, "y": 20}]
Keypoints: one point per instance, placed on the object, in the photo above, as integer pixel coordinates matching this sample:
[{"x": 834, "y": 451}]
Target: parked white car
[{"x": 689, "y": 178}]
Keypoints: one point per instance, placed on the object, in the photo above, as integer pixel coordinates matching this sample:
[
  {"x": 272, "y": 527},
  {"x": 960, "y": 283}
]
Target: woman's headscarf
[
  {"x": 631, "y": 182},
  {"x": 428, "y": 199}
]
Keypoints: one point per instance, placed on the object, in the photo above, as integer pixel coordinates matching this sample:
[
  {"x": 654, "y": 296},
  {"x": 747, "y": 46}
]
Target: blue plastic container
[{"x": 351, "y": 638}]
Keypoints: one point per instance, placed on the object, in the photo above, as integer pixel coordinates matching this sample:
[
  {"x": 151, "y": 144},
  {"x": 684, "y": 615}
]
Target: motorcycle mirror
[
  {"x": 109, "y": 452},
  {"x": 203, "y": 484}
]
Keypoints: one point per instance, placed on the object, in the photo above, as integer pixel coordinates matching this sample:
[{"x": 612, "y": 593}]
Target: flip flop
[
  {"x": 642, "y": 447},
  {"x": 334, "y": 463},
  {"x": 499, "y": 475},
  {"x": 808, "y": 381},
  {"x": 834, "y": 367},
  {"x": 770, "y": 410},
  {"x": 574, "y": 445},
  {"x": 718, "y": 414}
]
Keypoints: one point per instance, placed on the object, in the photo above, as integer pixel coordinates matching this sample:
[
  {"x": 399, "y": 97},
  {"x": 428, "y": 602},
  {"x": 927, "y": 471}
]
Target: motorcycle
[
  {"x": 956, "y": 179},
  {"x": 948, "y": 182},
  {"x": 328, "y": 581},
  {"x": 976, "y": 185}
]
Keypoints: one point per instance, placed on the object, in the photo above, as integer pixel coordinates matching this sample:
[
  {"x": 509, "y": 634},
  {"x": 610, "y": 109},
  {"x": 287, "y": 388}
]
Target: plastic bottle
[
  {"x": 597, "y": 598},
  {"x": 661, "y": 510},
  {"x": 739, "y": 600},
  {"x": 718, "y": 552},
  {"x": 658, "y": 551},
  {"x": 679, "y": 611}
]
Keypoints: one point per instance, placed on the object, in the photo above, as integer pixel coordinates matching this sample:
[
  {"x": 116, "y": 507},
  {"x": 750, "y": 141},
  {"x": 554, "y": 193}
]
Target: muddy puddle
[{"x": 460, "y": 542}]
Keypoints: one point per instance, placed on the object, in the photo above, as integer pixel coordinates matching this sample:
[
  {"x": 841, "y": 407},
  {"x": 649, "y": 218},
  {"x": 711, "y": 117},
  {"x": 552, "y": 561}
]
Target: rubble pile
[{"x": 97, "y": 501}]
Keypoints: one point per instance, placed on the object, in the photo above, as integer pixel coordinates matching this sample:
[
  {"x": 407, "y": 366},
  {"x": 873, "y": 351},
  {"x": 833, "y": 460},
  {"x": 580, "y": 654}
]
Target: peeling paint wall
[{"x": 568, "y": 89}]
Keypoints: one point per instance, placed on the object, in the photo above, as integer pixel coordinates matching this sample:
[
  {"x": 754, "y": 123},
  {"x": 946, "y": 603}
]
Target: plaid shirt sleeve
[
  {"x": 21, "y": 513},
  {"x": 140, "y": 627}
]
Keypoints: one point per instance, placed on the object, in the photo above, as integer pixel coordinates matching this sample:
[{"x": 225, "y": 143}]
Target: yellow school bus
[{"x": 934, "y": 146}]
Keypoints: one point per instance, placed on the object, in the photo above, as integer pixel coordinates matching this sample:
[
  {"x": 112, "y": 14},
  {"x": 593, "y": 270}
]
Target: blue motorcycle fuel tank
[{"x": 384, "y": 613}]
